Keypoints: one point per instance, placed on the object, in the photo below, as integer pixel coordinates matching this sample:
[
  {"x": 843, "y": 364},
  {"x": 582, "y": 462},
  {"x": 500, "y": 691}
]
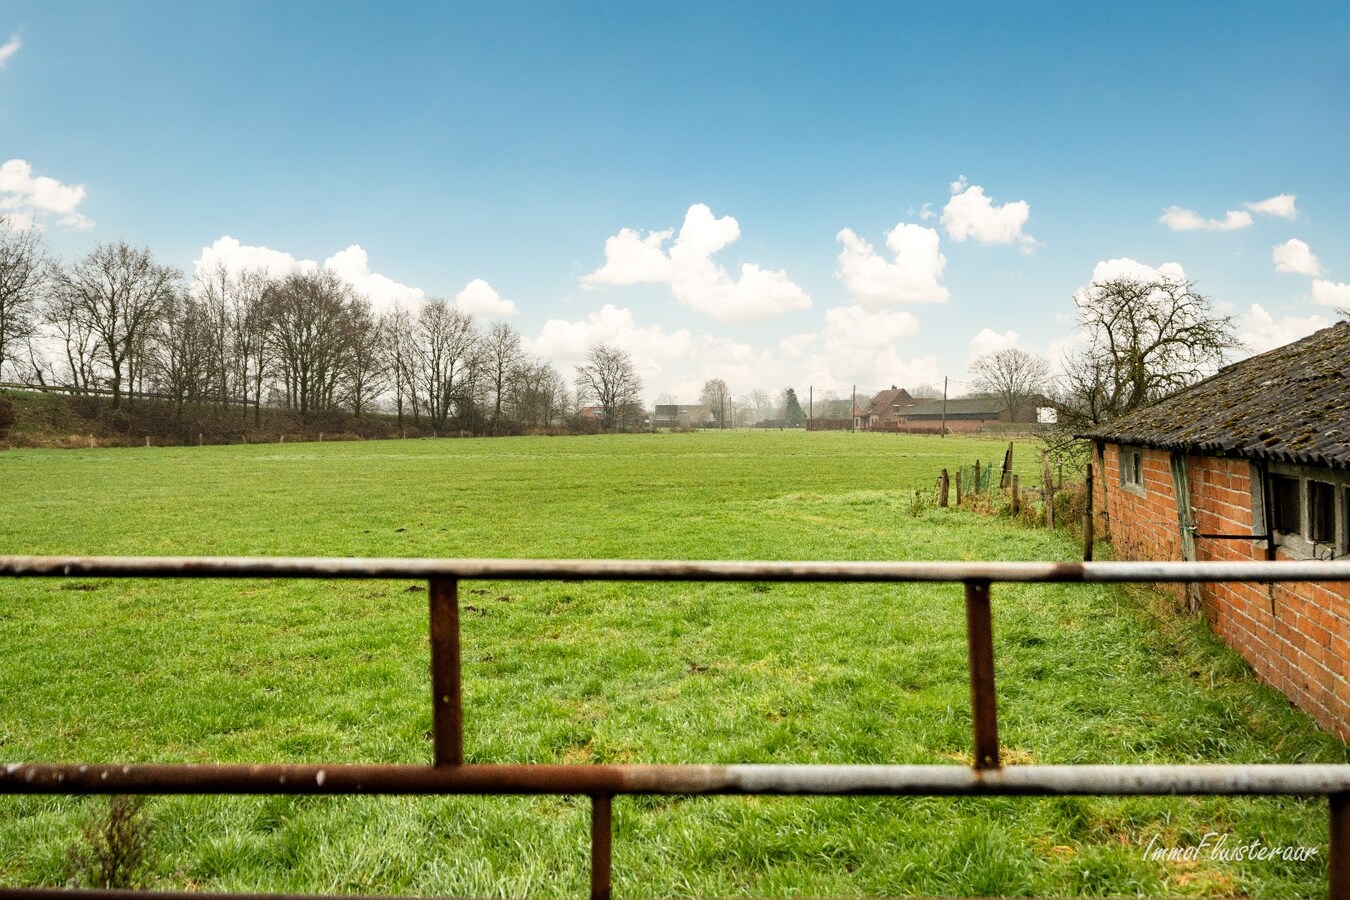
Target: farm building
[
  {"x": 896, "y": 410},
  {"x": 884, "y": 411},
  {"x": 1250, "y": 464},
  {"x": 683, "y": 416}
]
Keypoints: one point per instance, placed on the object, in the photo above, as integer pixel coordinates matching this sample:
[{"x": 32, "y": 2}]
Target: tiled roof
[
  {"x": 883, "y": 402},
  {"x": 1290, "y": 404},
  {"x": 959, "y": 406}
]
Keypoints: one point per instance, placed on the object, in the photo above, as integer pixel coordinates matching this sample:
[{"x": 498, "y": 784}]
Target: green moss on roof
[{"x": 1290, "y": 404}]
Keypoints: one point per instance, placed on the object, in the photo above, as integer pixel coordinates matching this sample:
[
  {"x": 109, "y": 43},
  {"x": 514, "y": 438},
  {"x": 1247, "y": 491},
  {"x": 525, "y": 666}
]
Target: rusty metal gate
[{"x": 449, "y": 774}]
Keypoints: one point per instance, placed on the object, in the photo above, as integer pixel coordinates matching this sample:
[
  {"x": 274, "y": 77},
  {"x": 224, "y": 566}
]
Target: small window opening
[
  {"x": 1322, "y": 512},
  {"x": 1285, "y": 498},
  {"x": 1134, "y": 467}
]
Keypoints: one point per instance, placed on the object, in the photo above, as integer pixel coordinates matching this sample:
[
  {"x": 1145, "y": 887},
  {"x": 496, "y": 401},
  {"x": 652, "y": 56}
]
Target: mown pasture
[{"x": 182, "y": 671}]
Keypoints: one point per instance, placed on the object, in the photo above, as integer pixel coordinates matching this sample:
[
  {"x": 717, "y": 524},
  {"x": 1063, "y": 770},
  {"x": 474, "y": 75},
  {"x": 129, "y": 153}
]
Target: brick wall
[{"x": 1295, "y": 636}]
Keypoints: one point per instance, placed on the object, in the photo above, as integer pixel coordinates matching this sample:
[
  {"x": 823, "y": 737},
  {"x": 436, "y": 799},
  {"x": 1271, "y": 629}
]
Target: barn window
[
  {"x": 1308, "y": 509},
  {"x": 1321, "y": 512},
  {"x": 1132, "y": 469},
  {"x": 1286, "y": 503}
]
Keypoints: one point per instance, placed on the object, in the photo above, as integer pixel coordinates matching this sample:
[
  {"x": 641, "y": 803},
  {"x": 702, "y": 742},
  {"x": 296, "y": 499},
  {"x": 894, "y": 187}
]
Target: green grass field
[{"x": 110, "y": 671}]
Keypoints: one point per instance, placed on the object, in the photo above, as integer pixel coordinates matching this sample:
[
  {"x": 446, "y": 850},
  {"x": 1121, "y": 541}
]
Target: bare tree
[
  {"x": 539, "y": 395},
  {"x": 610, "y": 379},
  {"x": 367, "y": 368},
  {"x": 502, "y": 357},
  {"x": 79, "y": 343},
  {"x": 309, "y": 328},
  {"x": 1145, "y": 340},
  {"x": 237, "y": 331},
  {"x": 1013, "y": 375},
  {"x": 445, "y": 343},
  {"x": 717, "y": 397},
  {"x": 401, "y": 355},
  {"x": 759, "y": 398},
  {"x": 23, "y": 271},
  {"x": 119, "y": 290},
  {"x": 251, "y": 361},
  {"x": 183, "y": 363}
]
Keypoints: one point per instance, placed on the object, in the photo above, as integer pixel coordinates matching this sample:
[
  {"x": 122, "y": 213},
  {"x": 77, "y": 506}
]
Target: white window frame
[{"x": 1127, "y": 469}]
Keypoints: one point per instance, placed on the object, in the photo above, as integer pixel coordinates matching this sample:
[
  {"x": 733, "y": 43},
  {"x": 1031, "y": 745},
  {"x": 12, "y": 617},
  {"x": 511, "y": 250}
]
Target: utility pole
[
  {"x": 944, "y": 406},
  {"x": 811, "y": 402}
]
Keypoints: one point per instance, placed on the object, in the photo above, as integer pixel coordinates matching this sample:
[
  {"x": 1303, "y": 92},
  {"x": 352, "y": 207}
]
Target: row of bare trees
[
  {"x": 118, "y": 323},
  {"x": 115, "y": 321}
]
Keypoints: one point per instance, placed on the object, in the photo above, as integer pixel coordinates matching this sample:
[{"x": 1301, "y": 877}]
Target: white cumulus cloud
[
  {"x": 9, "y": 48},
  {"x": 1331, "y": 293},
  {"x": 1296, "y": 258},
  {"x": 1281, "y": 206},
  {"x": 694, "y": 277},
  {"x": 1260, "y": 331},
  {"x": 990, "y": 341},
  {"x": 237, "y": 257},
  {"x": 351, "y": 264},
  {"x": 25, "y": 197},
  {"x": 1178, "y": 219},
  {"x": 1124, "y": 267},
  {"x": 861, "y": 347},
  {"x": 913, "y": 277},
  {"x": 481, "y": 299},
  {"x": 797, "y": 344},
  {"x": 669, "y": 361},
  {"x": 971, "y": 214}
]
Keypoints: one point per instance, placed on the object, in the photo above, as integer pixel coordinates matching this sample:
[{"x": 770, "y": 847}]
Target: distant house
[
  {"x": 896, "y": 410},
  {"x": 884, "y": 411},
  {"x": 1250, "y": 464},
  {"x": 672, "y": 415}
]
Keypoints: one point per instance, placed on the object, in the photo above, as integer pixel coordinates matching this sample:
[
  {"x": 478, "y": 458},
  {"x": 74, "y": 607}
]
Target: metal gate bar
[{"x": 450, "y": 775}]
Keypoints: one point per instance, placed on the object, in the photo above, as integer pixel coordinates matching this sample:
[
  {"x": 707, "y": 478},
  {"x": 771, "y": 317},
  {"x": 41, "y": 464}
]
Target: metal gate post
[
  {"x": 1338, "y": 849},
  {"x": 602, "y": 834},
  {"x": 447, "y": 713},
  {"x": 980, "y": 641}
]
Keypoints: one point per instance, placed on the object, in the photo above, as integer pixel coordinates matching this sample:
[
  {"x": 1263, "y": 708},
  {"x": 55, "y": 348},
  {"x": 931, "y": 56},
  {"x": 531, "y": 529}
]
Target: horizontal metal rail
[
  {"x": 785, "y": 780},
  {"x": 666, "y": 570},
  {"x": 450, "y": 775}
]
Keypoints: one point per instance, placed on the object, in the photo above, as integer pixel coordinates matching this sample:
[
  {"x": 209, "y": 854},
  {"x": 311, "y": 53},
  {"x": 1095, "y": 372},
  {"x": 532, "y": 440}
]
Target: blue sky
[{"x": 909, "y": 184}]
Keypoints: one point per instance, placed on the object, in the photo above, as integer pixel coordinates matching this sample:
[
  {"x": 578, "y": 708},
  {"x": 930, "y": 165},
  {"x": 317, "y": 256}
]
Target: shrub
[
  {"x": 112, "y": 852},
  {"x": 6, "y": 416}
]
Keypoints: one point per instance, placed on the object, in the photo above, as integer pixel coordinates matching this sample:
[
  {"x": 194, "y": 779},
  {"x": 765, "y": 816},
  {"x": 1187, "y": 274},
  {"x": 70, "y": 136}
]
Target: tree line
[{"x": 118, "y": 323}]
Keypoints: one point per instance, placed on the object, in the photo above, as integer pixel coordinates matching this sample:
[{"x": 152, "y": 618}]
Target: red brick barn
[{"x": 1250, "y": 464}]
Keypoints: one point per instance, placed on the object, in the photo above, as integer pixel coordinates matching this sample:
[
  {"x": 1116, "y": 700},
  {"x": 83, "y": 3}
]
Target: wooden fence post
[
  {"x": 1087, "y": 518},
  {"x": 975, "y": 488},
  {"x": 1007, "y": 467},
  {"x": 1049, "y": 490},
  {"x": 942, "y": 491},
  {"x": 958, "y": 487},
  {"x": 1017, "y": 496}
]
